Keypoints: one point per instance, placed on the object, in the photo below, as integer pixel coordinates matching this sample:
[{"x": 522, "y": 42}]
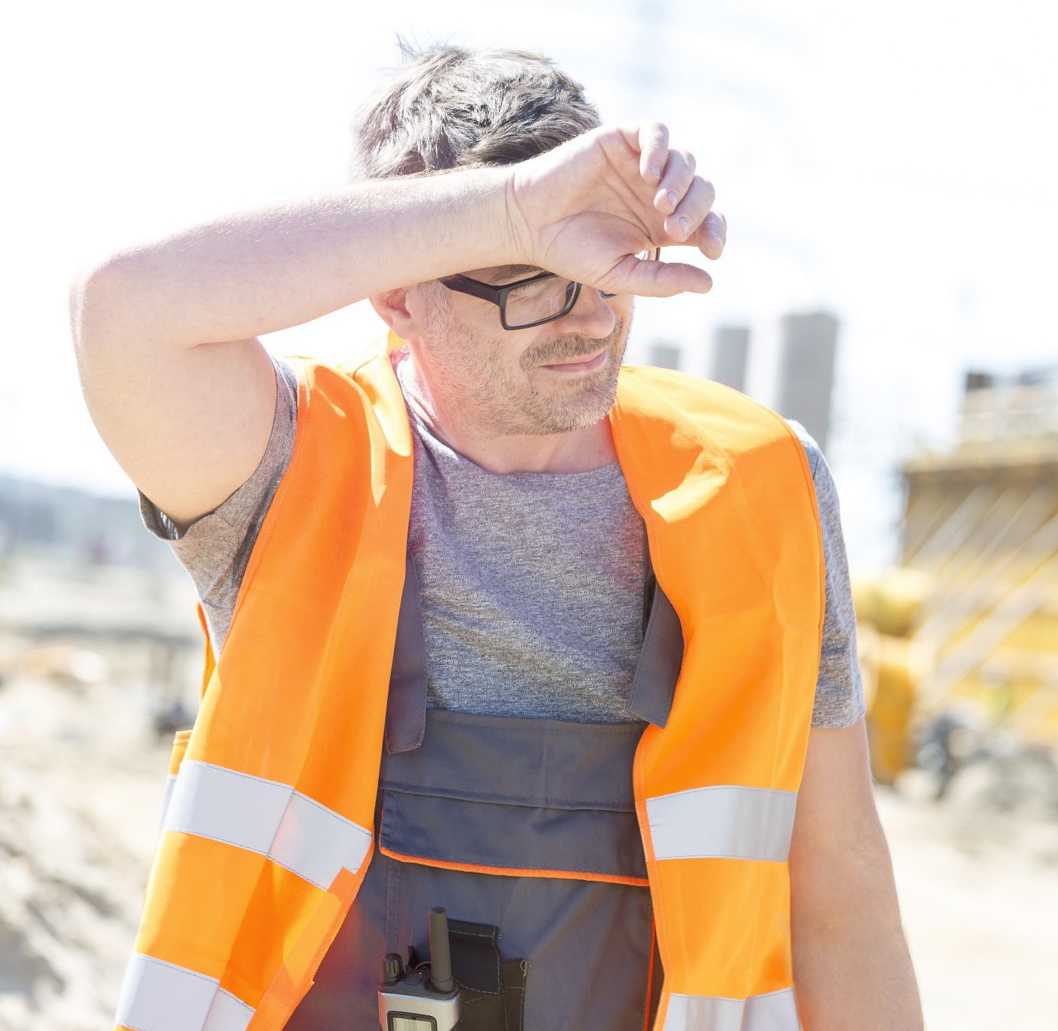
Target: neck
[{"x": 570, "y": 452}]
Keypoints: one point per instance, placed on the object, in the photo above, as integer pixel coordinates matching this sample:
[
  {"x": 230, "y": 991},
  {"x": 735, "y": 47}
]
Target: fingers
[
  {"x": 675, "y": 181},
  {"x": 662, "y": 278},
  {"x": 694, "y": 224},
  {"x": 685, "y": 199},
  {"x": 653, "y": 150},
  {"x": 690, "y": 212},
  {"x": 650, "y": 141},
  {"x": 711, "y": 235}
]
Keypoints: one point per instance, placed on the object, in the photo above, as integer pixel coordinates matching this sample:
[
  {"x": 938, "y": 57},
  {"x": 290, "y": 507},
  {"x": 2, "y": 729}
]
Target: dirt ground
[
  {"x": 80, "y": 795},
  {"x": 979, "y": 899}
]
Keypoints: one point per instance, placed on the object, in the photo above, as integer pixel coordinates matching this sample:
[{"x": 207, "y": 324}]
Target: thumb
[{"x": 647, "y": 278}]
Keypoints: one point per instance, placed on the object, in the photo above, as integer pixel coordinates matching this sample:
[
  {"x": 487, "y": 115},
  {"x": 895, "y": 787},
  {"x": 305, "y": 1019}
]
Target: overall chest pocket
[{"x": 531, "y": 797}]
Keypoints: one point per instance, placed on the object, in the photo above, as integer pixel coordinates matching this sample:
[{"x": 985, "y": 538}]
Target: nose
[{"x": 590, "y": 316}]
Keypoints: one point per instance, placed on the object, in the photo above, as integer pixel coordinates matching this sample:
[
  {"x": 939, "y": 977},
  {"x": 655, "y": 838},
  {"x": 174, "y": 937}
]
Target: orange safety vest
[{"x": 267, "y": 831}]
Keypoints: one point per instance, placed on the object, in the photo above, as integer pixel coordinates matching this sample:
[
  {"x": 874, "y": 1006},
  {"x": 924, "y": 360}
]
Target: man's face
[{"x": 499, "y": 378}]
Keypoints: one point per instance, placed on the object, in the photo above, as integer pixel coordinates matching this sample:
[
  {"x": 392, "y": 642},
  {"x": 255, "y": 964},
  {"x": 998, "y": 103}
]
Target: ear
[{"x": 392, "y": 308}]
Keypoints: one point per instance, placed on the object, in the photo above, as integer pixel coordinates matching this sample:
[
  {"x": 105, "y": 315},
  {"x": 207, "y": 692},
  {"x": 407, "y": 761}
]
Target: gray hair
[{"x": 450, "y": 107}]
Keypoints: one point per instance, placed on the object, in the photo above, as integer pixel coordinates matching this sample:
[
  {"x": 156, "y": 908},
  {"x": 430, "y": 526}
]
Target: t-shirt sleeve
[
  {"x": 839, "y": 700},
  {"x": 215, "y": 548}
]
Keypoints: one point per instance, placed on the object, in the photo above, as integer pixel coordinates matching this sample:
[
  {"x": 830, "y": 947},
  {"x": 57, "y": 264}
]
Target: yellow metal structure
[{"x": 969, "y": 620}]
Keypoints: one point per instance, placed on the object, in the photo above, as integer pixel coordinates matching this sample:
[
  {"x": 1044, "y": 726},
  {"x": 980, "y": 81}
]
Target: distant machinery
[
  {"x": 973, "y": 608},
  {"x": 806, "y": 370}
]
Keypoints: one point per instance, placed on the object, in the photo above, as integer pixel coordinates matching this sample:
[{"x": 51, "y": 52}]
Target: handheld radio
[{"x": 423, "y": 998}]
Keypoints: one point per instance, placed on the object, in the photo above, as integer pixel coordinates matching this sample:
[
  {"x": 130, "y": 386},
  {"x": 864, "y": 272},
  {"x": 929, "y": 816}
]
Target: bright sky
[{"x": 890, "y": 162}]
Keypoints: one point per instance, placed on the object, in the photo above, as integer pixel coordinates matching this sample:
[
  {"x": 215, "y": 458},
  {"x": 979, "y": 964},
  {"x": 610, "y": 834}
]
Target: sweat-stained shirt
[{"x": 532, "y": 583}]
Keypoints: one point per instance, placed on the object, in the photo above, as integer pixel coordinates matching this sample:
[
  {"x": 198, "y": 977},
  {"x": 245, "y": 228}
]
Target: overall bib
[{"x": 525, "y": 831}]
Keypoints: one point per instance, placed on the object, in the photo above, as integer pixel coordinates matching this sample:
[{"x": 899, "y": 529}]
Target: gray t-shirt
[{"x": 532, "y": 583}]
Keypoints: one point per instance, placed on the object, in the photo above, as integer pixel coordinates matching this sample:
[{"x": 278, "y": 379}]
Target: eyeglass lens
[{"x": 545, "y": 298}]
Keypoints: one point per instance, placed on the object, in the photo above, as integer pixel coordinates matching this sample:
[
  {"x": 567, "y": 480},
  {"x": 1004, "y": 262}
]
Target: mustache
[{"x": 570, "y": 350}]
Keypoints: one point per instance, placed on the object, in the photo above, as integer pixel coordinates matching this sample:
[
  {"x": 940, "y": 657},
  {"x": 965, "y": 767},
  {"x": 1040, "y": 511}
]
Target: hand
[{"x": 584, "y": 209}]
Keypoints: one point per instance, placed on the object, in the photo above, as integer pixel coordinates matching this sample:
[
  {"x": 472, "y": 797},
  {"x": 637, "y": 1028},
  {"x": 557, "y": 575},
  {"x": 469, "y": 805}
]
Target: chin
[{"x": 566, "y": 411}]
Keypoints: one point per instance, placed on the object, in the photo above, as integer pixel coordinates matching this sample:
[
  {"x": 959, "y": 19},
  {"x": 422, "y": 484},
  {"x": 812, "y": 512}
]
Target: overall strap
[
  {"x": 406, "y": 708},
  {"x": 659, "y": 662}
]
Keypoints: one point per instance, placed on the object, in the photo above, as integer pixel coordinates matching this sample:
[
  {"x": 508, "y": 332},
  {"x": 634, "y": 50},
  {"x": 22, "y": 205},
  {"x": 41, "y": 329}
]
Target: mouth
[{"x": 588, "y": 363}]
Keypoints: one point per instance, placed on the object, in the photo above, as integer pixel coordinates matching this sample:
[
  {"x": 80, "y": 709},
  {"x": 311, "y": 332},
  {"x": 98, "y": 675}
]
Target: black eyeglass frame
[{"x": 498, "y": 294}]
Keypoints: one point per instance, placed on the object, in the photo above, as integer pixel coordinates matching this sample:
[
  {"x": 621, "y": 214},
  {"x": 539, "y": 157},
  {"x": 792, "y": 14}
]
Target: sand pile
[{"x": 80, "y": 791}]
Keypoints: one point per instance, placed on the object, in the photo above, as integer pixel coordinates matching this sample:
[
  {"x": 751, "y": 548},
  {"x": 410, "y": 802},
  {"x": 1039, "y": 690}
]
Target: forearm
[
  {"x": 852, "y": 967},
  {"x": 861, "y": 980},
  {"x": 263, "y": 270}
]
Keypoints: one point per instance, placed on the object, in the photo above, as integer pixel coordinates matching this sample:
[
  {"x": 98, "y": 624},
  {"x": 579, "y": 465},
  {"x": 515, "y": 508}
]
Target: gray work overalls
[{"x": 530, "y": 953}]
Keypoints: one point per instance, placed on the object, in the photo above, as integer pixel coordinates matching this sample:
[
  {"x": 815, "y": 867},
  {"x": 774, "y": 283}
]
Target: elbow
[{"x": 90, "y": 304}]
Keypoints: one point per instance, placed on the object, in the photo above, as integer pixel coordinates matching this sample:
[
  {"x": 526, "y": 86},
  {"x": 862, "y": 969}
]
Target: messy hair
[{"x": 451, "y": 107}]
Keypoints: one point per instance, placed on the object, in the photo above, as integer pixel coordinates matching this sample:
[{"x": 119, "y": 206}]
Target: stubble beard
[{"x": 537, "y": 403}]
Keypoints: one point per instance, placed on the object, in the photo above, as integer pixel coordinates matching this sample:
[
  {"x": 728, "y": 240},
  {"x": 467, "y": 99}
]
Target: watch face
[{"x": 411, "y": 1022}]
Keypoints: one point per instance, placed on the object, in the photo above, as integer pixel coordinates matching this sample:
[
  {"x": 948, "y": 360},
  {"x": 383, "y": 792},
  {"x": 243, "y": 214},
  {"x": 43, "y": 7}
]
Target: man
[{"x": 547, "y": 607}]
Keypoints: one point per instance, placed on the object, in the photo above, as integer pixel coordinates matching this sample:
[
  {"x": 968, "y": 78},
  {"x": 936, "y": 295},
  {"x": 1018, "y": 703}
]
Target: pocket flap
[{"x": 515, "y": 796}]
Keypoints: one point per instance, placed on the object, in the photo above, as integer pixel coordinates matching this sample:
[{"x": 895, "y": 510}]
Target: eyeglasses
[{"x": 532, "y": 301}]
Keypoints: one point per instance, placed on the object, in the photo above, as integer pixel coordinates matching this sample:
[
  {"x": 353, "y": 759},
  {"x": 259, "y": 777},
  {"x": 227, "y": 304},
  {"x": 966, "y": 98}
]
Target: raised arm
[{"x": 166, "y": 332}]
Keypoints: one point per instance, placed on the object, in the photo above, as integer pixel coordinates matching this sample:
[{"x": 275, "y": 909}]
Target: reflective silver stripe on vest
[
  {"x": 267, "y": 817},
  {"x": 160, "y": 996},
  {"x": 776, "y": 1011},
  {"x": 723, "y": 822}
]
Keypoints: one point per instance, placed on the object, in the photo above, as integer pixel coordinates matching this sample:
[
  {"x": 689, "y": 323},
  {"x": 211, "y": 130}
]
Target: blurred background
[{"x": 888, "y": 181}]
